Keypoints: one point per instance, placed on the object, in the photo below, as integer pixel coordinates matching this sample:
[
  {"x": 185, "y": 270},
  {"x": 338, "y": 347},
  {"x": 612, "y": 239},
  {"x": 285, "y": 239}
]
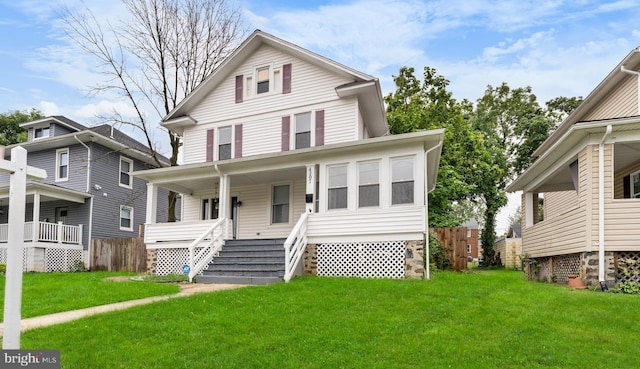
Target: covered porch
[{"x": 50, "y": 243}]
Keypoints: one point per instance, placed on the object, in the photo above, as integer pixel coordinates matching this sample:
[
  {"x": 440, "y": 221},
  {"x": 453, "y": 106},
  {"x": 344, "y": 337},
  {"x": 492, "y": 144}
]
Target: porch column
[
  {"x": 224, "y": 197},
  {"x": 36, "y": 217},
  {"x": 152, "y": 203},
  {"x": 310, "y": 197}
]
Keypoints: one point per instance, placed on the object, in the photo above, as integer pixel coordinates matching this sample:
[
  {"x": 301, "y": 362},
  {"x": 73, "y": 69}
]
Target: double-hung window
[
  {"x": 126, "y": 165},
  {"x": 303, "y": 130},
  {"x": 224, "y": 143},
  {"x": 210, "y": 208},
  {"x": 402, "y": 182},
  {"x": 126, "y": 218},
  {"x": 368, "y": 184},
  {"x": 62, "y": 164},
  {"x": 263, "y": 80},
  {"x": 337, "y": 193},
  {"x": 41, "y": 132},
  {"x": 280, "y": 204}
]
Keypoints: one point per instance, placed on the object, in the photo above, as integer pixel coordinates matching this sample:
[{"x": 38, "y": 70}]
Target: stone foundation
[
  {"x": 557, "y": 269},
  {"x": 414, "y": 259},
  {"x": 310, "y": 260},
  {"x": 152, "y": 261}
]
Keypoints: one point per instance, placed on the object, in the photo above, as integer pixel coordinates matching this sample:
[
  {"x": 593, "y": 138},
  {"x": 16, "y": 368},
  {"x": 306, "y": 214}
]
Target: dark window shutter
[
  {"x": 210, "y": 144},
  {"x": 626, "y": 182},
  {"x": 286, "y": 78},
  {"x": 319, "y": 127},
  {"x": 286, "y": 126},
  {"x": 239, "y": 82},
  {"x": 238, "y": 141}
]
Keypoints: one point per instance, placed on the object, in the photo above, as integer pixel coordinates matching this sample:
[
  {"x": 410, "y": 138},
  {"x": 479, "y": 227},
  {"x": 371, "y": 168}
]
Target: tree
[
  {"x": 157, "y": 56},
  {"x": 424, "y": 105},
  {"x": 515, "y": 217},
  {"x": 560, "y": 107},
  {"x": 10, "y": 130}
]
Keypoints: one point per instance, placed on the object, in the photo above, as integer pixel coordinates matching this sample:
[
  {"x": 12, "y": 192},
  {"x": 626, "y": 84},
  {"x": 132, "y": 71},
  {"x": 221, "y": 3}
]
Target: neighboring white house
[{"x": 281, "y": 143}]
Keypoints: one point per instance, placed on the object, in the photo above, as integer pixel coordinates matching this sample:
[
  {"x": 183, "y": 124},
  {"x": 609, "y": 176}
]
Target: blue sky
[{"x": 560, "y": 48}]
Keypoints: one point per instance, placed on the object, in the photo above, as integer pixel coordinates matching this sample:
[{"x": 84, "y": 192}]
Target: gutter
[
  {"x": 601, "y": 205},
  {"x": 90, "y": 228},
  {"x": 427, "y": 269}
]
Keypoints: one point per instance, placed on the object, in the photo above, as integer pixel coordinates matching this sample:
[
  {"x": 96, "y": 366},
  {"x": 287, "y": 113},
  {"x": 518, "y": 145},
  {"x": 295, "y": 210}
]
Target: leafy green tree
[
  {"x": 560, "y": 107},
  {"x": 10, "y": 130},
  {"x": 417, "y": 105}
]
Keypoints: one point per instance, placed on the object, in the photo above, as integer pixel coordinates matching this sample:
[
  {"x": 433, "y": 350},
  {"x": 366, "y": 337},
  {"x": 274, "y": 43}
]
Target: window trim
[
  {"x": 210, "y": 200},
  {"x": 272, "y": 203},
  {"x": 130, "y": 185},
  {"x": 64, "y": 150},
  {"x": 413, "y": 180},
  {"x": 251, "y": 81},
  {"x": 312, "y": 128},
  {"x": 633, "y": 195},
  {"x": 130, "y": 228}
]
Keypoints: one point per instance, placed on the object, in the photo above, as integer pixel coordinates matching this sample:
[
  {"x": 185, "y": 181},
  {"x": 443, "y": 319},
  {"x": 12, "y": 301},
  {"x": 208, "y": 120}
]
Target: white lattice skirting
[
  {"x": 49, "y": 260},
  {"x": 362, "y": 259},
  {"x": 170, "y": 261}
]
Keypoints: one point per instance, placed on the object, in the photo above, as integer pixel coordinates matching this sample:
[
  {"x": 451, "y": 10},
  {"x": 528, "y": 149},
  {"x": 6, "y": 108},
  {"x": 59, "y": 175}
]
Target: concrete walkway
[{"x": 67, "y": 316}]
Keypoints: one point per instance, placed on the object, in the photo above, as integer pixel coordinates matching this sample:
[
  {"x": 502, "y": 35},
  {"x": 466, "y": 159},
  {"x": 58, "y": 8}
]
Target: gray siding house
[{"x": 88, "y": 193}]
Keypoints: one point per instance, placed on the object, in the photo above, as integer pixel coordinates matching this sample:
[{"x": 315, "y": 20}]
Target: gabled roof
[
  {"x": 373, "y": 104},
  {"x": 515, "y": 230},
  {"x": 551, "y": 170}
]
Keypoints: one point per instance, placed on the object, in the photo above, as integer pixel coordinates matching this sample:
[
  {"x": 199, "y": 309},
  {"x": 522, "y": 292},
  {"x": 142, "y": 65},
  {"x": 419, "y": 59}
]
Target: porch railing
[
  {"x": 210, "y": 242},
  {"x": 294, "y": 247},
  {"x": 46, "y": 232}
]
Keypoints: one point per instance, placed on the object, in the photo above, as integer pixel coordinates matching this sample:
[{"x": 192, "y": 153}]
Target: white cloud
[
  {"x": 48, "y": 108},
  {"x": 103, "y": 108}
]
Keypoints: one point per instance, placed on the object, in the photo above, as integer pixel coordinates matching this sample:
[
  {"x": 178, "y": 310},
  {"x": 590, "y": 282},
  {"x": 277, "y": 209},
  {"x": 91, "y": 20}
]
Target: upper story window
[
  {"x": 337, "y": 194},
  {"x": 402, "y": 183},
  {"x": 262, "y": 85},
  {"x": 62, "y": 164},
  {"x": 368, "y": 184},
  {"x": 126, "y": 166},
  {"x": 224, "y": 143},
  {"x": 280, "y": 204},
  {"x": 303, "y": 130},
  {"x": 126, "y": 218},
  {"x": 41, "y": 132}
]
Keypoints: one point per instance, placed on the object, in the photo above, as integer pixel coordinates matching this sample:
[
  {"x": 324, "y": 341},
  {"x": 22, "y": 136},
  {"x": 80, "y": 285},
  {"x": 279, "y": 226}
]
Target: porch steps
[{"x": 247, "y": 262}]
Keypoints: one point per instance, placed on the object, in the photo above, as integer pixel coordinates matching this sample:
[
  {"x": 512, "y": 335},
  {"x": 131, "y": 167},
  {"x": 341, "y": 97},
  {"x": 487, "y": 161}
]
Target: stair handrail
[
  {"x": 197, "y": 262},
  {"x": 294, "y": 247}
]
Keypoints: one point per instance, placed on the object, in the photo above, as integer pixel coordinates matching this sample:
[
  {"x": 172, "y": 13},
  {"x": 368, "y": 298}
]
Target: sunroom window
[
  {"x": 368, "y": 184},
  {"x": 402, "y": 184}
]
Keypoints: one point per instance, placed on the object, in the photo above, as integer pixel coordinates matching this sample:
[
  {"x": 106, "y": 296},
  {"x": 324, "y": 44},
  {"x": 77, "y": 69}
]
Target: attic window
[
  {"x": 41, "y": 132},
  {"x": 263, "y": 80}
]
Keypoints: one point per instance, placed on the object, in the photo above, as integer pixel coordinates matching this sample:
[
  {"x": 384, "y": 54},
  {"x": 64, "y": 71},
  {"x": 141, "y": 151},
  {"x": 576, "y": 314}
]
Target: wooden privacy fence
[
  {"x": 119, "y": 255},
  {"x": 454, "y": 242}
]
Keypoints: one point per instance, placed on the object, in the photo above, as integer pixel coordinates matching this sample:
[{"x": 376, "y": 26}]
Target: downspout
[
  {"x": 427, "y": 267},
  {"x": 89, "y": 228},
  {"x": 601, "y": 205}
]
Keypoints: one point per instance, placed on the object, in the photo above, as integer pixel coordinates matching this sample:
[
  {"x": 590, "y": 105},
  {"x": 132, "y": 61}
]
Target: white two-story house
[{"x": 289, "y": 168}]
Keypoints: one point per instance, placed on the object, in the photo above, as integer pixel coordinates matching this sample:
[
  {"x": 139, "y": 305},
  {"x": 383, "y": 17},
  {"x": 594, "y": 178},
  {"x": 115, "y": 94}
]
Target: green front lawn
[
  {"x": 491, "y": 319},
  {"x": 47, "y": 293}
]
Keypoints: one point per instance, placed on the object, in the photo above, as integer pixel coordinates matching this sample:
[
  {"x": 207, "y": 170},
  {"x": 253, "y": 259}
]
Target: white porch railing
[
  {"x": 294, "y": 247},
  {"x": 47, "y": 232},
  {"x": 214, "y": 237}
]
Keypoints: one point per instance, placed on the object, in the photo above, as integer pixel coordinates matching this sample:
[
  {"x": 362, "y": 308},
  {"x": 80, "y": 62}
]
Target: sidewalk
[{"x": 67, "y": 316}]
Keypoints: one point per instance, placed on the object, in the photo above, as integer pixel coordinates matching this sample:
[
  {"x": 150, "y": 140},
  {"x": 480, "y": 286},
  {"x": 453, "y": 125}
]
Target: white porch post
[
  {"x": 152, "y": 203},
  {"x": 311, "y": 194},
  {"x": 528, "y": 214},
  {"x": 224, "y": 204},
  {"x": 36, "y": 218}
]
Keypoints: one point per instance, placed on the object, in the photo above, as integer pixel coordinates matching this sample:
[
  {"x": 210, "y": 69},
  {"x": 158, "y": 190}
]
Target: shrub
[
  {"x": 628, "y": 287},
  {"x": 437, "y": 254},
  {"x": 3, "y": 268}
]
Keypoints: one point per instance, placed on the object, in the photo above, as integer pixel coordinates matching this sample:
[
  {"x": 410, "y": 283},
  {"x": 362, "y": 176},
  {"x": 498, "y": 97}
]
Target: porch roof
[
  {"x": 47, "y": 193},
  {"x": 189, "y": 178},
  {"x": 551, "y": 172}
]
